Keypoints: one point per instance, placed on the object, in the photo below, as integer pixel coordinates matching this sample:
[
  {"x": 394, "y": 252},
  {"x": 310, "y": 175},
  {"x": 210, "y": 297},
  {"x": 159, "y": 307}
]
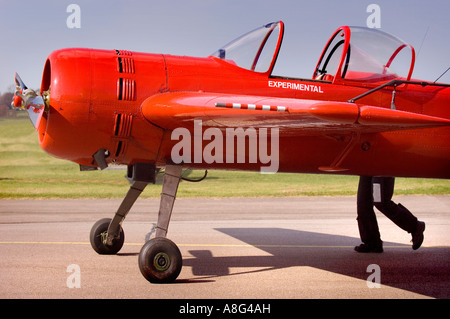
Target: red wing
[{"x": 291, "y": 116}]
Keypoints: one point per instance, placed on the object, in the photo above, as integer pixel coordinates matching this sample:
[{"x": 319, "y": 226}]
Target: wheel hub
[{"x": 161, "y": 261}]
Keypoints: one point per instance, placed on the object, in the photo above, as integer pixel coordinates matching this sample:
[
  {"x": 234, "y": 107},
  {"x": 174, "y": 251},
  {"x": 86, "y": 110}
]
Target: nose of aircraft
[
  {"x": 60, "y": 111},
  {"x": 89, "y": 105}
]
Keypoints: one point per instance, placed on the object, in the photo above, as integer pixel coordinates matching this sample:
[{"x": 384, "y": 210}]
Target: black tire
[
  {"x": 160, "y": 260},
  {"x": 99, "y": 228}
]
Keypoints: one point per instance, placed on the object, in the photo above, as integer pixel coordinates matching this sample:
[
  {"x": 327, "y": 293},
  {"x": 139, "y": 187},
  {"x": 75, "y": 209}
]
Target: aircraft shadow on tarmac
[{"x": 424, "y": 271}]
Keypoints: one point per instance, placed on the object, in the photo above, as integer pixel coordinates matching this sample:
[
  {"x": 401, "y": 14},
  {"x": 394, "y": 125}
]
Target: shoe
[
  {"x": 417, "y": 235},
  {"x": 365, "y": 248}
]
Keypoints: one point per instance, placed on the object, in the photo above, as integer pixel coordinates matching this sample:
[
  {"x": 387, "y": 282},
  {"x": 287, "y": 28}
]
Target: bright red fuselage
[{"x": 96, "y": 99}]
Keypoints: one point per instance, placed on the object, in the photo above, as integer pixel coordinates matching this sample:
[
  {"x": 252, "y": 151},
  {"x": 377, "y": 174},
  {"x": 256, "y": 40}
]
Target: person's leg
[
  {"x": 397, "y": 213},
  {"x": 367, "y": 221}
]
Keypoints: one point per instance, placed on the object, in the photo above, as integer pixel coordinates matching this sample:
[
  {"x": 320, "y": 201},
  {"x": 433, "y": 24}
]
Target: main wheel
[
  {"x": 98, "y": 234},
  {"x": 160, "y": 260}
]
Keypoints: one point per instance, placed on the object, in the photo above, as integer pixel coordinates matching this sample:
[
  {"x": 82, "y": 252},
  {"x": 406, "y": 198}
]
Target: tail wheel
[
  {"x": 98, "y": 237},
  {"x": 160, "y": 260}
]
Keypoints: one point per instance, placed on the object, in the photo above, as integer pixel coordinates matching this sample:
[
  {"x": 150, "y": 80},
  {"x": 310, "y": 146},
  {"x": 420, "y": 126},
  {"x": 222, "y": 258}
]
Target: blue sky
[{"x": 31, "y": 30}]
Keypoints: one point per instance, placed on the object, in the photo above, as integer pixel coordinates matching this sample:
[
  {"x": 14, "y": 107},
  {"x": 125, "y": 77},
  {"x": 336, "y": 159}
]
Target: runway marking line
[
  {"x": 204, "y": 245},
  {"x": 45, "y": 242}
]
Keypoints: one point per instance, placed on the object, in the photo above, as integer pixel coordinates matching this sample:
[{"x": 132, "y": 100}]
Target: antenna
[
  {"x": 423, "y": 40},
  {"x": 441, "y": 75}
]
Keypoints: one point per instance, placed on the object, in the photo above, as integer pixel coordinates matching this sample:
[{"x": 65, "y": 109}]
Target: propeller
[{"x": 30, "y": 100}]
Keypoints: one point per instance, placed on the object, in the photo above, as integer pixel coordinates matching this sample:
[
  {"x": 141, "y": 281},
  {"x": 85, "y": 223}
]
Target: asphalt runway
[{"x": 240, "y": 248}]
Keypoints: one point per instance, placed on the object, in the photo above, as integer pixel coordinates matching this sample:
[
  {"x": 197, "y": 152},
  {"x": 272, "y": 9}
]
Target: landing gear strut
[{"x": 160, "y": 259}]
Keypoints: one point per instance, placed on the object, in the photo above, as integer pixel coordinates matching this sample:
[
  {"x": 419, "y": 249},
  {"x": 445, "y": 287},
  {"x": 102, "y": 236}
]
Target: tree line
[{"x": 6, "y": 110}]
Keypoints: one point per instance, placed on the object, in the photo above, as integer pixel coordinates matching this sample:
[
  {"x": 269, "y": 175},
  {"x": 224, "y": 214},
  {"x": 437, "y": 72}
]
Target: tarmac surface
[{"x": 239, "y": 248}]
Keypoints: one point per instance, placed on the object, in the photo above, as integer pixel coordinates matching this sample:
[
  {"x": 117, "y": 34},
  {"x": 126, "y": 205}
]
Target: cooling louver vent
[
  {"x": 125, "y": 61},
  {"x": 122, "y": 131},
  {"x": 126, "y": 89}
]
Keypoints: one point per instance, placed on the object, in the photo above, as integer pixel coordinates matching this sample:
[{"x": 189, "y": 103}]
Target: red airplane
[{"x": 361, "y": 113}]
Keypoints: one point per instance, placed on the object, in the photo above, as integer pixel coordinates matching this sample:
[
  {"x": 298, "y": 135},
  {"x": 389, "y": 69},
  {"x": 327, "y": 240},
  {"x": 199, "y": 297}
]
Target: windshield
[
  {"x": 256, "y": 50},
  {"x": 366, "y": 55}
]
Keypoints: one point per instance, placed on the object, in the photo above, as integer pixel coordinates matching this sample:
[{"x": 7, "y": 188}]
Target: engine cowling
[{"x": 94, "y": 99}]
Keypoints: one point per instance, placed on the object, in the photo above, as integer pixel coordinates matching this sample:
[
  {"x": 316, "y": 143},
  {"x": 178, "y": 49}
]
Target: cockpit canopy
[
  {"x": 351, "y": 54},
  {"x": 362, "y": 54},
  {"x": 257, "y": 50}
]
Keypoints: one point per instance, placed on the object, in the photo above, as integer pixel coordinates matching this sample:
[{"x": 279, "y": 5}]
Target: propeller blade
[
  {"x": 19, "y": 83},
  {"x": 36, "y": 110},
  {"x": 30, "y": 100}
]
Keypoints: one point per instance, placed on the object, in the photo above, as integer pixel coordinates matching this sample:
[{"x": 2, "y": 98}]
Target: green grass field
[{"x": 27, "y": 172}]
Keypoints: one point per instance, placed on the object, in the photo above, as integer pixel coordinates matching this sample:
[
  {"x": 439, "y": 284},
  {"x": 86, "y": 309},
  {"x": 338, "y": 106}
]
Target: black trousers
[{"x": 378, "y": 192}]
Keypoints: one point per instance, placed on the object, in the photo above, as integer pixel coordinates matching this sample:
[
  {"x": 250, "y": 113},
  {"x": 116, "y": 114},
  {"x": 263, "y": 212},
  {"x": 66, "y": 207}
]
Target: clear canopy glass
[
  {"x": 355, "y": 53},
  {"x": 256, "y": 50},
  {"x": 351, "y": 54}
]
